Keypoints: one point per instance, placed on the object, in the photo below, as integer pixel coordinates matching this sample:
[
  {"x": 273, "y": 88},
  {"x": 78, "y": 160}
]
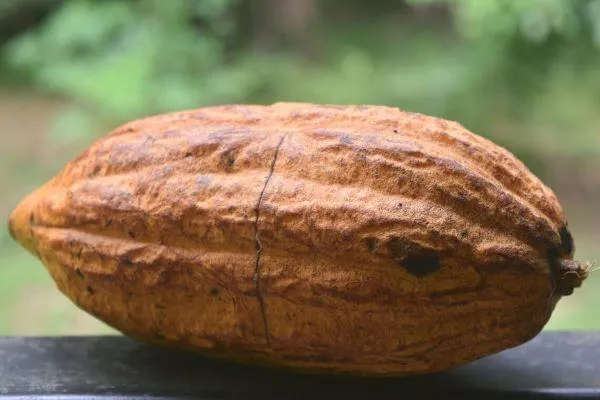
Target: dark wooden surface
[{"x": 553, "y": 365}]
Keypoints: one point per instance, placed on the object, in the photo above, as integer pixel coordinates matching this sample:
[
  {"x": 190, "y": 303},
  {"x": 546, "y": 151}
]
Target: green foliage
[
  {"x": 123, "y": 60},
  {"x": 532, "y": 35},
  {"x": 535, "y": 20}
]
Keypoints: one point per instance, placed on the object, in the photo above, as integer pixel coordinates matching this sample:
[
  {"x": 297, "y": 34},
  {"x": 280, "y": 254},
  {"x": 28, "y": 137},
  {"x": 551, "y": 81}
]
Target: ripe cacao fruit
[{"x": 343, "y": 239}]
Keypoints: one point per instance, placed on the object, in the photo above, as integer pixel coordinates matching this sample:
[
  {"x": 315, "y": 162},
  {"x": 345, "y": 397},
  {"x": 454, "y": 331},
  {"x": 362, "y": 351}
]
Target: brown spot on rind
[
  {"x": 413, "y": 257},
  {"x": 422, "y": 264},
  {"x": 95, "y": 171},
  {"x": 126, "y": 261},
  {"x": 371, "y": 244},
  {"x": 228, "y": 160}
]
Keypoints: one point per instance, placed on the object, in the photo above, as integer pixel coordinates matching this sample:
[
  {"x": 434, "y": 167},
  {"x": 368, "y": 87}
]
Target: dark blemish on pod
[
  {"x": 214, "y": 291},
  {"x": 31, "y": 218},
  {"x": 228, "y": 159},
  {"x": 131, "y": 234},
  {"x": 126, "y": 261},
  {"x": 95, "y": 171},
  {"x": 371, "y": 244},
  {"x": 395, "y": 130},
  {"x": 79, "y": 273},
  {"x": 422, "y": 264},
  {"x": 159, "y": 306},
  {"x": 397, "y": 248},
  {"x": 188, "y": 154},
  {"x": 90, "y": 290},
  {"x": 413, "y": 257}
]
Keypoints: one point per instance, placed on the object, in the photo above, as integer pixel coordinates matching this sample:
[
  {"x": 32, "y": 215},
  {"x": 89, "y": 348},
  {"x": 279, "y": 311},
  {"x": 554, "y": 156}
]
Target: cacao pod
[{"x": 343, "y": 239}]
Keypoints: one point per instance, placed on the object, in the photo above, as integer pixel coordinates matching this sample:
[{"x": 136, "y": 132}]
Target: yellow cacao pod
[{"x": 347, "y": 239}]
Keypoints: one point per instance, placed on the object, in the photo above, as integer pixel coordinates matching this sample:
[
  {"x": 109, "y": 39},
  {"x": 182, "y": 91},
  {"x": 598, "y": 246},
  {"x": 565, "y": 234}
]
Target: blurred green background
[{"x": 524, "y": 73}]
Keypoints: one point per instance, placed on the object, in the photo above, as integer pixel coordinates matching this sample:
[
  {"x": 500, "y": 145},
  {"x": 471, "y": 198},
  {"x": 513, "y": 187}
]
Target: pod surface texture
[{"x": 343, "y": 239}]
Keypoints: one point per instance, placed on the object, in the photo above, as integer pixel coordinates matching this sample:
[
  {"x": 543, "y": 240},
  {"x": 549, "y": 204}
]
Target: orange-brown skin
[{"x": 352, "y": 239}]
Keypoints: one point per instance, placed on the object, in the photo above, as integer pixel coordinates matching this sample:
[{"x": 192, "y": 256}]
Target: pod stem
[{"x": 571, "y": 275}]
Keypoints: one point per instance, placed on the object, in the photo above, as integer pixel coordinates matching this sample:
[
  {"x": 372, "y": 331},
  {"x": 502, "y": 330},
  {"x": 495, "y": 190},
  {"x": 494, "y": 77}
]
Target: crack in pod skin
[{"x": 348, "y": 239}]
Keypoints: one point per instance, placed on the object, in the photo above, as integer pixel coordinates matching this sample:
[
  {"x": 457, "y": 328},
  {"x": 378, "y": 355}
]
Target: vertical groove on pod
[{"x": 258, "y": 244}]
